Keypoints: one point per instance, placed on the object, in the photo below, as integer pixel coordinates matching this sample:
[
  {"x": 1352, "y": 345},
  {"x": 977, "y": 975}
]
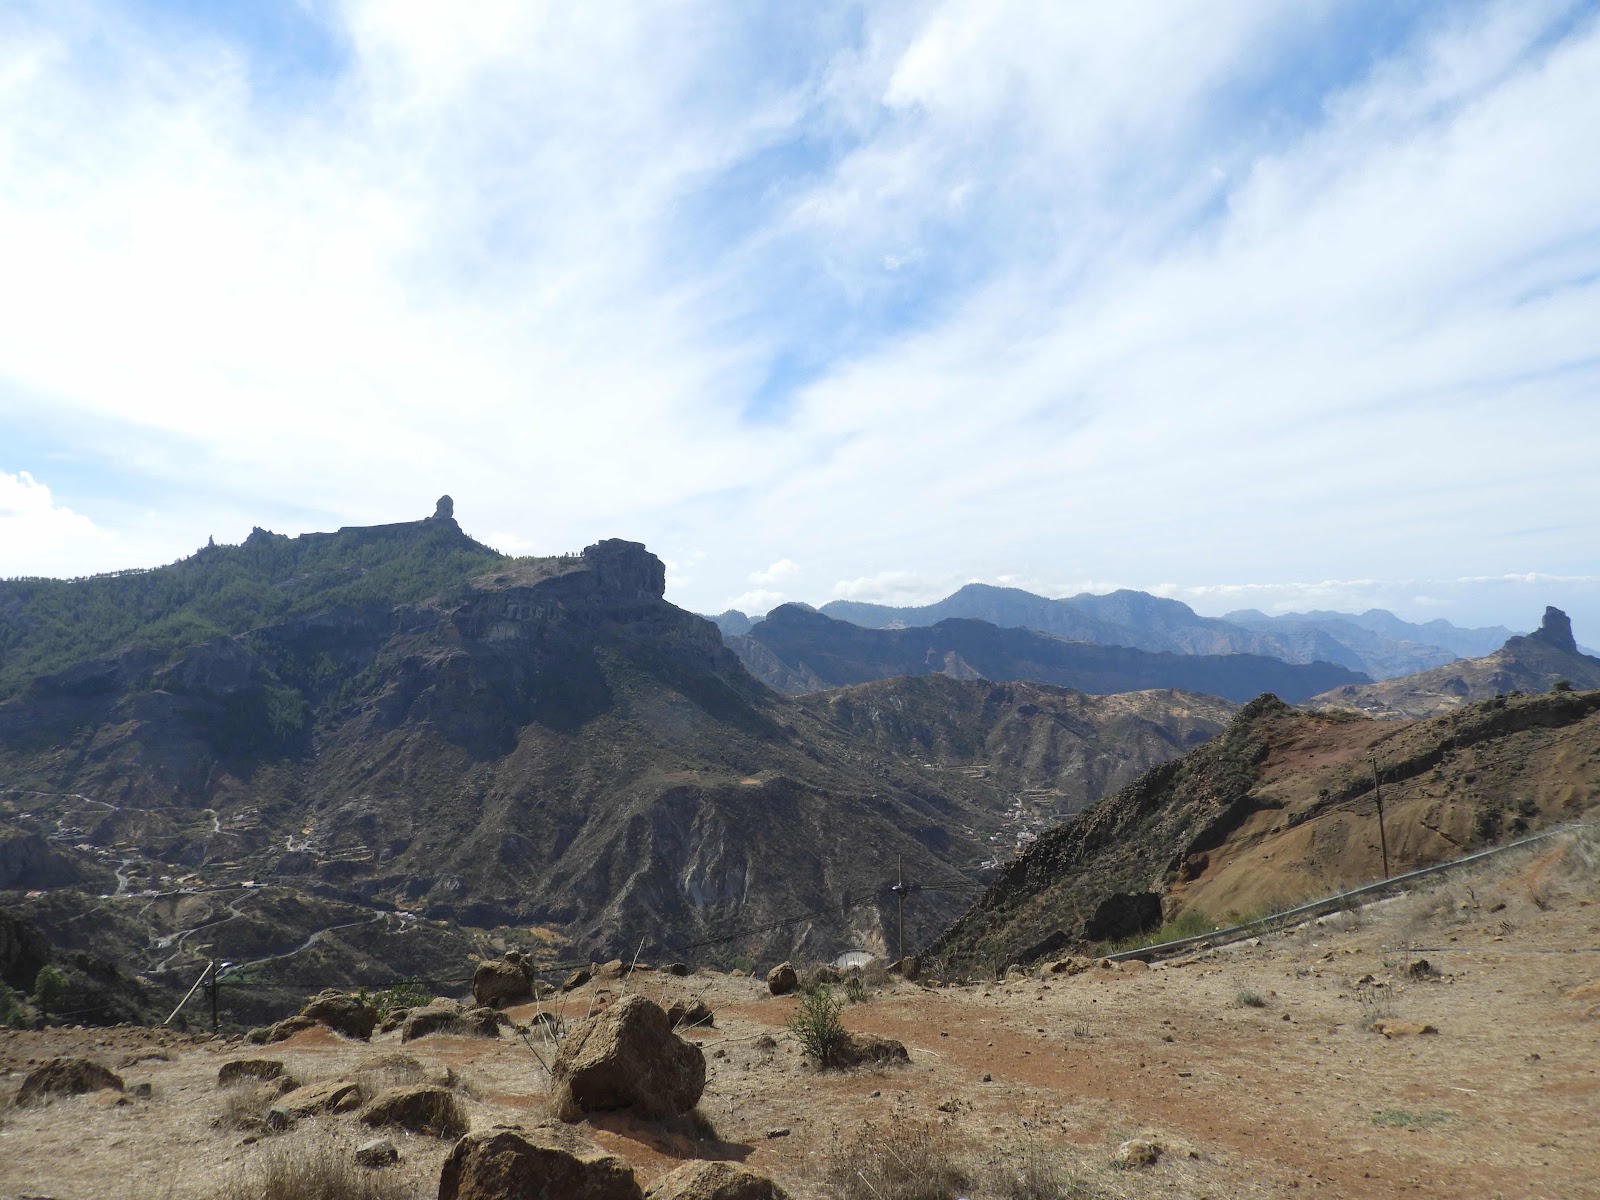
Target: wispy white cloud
[
  {"x": 755, "y": 603},
  {"x": 40, "y": 536},
  {"x": 782, "y": 569},
  {"x": 1188, "y": 292}
]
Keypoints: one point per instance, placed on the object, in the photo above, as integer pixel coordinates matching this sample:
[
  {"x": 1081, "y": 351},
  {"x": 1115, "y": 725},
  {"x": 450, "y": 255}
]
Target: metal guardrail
[{"x": 1333, "y": 903}]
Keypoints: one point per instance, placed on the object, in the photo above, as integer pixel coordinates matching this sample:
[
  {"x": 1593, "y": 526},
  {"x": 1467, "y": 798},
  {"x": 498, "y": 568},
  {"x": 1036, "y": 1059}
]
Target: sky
[{"x": 1247, "y": 303}]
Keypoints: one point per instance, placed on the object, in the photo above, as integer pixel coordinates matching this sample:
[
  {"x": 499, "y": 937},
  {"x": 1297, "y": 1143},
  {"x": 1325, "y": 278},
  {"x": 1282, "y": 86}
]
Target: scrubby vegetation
[
  {"x": 817, "y": 1027},
  {"x": 48, "y": 624},
  {"x": 899, "y": 1159},
  {"x": 315, "y": 1170}
]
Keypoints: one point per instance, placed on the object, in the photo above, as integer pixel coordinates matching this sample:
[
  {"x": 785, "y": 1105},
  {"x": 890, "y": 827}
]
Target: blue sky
[{"x": 1252, "y": 304}]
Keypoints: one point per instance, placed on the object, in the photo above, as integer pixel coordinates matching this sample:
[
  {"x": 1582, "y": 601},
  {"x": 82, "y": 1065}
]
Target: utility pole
[
  {"x": 900, "y": 896},
  {"x": 1383, "y": 837},
  {"x": 215, "y": 1023}
]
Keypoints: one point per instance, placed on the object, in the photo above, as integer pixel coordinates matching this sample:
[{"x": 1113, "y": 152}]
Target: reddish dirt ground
[{"x": 1296, "y": 1096}]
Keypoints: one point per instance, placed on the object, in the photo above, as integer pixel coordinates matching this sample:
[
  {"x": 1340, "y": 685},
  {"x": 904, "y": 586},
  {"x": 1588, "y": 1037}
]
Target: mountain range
[
  {"x": 798, "y": 649},
  {"x": 1534, "y": 662},
  {"x": 367, "y": 751},
  {"x": 1375, "y": 643}
]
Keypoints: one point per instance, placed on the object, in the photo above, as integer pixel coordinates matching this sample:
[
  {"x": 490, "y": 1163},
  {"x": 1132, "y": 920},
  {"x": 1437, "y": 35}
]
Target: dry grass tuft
[
  {"x": 244, "y": 1106},
  {"x": 316, "y": 1170},
  {"x": 904, "y": 1159},
  {"x": 1035, "y": 1172}
]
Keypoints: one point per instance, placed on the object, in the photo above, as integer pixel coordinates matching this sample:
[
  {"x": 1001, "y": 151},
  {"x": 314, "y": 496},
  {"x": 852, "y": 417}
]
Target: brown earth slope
[
  {"x": 1281, "y": 807},
  {"x": 1534, "y": 662}
]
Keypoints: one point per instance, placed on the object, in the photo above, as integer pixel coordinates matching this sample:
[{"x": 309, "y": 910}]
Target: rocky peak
[
  {"x": 627, "y": 568},
  {"x": 1556, "y": 631},
  {"x": 445, "y": 510}
]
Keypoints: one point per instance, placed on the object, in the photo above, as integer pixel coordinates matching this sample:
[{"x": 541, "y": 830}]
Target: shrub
[
  {"x": 49, "y": 988},
  {"x": 901, "y": 1160},
  {"x": 245, "y": 1105},
  {"x": 855, "y": 989},
  {"x": 310, "y": 1171},
  {"x": 816, "y": 1026},
  {"x": 1249, "y": 999}
]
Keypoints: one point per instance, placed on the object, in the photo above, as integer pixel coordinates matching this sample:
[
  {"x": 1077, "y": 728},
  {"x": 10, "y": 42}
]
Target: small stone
[
  {"x": 781, "y": 1131},
  {"x": 1394, "y": 1029},
  {"x": 987, "y": 1078}
]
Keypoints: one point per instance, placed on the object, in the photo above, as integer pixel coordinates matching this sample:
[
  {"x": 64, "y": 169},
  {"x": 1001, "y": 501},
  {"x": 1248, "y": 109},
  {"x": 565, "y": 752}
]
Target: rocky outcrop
[
  {"x": 66, "y": 1077},
  {"x": 627, "y": 1057},
  {"x": 343, "y": 1013},
  {"x": 259, "y": 1070},
  {"x": 782, "y": 980},
  {"x": 545, "y": 1162},
  {"x": 1555, "y": 631},
  {"x": 1121, "y": 915},
  {"x": 714, "y": 1181},
  {"x": 500, "y": 982}
]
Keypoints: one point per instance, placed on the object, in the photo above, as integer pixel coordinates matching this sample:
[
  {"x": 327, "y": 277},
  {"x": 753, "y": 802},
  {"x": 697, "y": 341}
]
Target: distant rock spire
[
  {"x": 445, "y": 510},
  {"x": 1556, "y": 630}
]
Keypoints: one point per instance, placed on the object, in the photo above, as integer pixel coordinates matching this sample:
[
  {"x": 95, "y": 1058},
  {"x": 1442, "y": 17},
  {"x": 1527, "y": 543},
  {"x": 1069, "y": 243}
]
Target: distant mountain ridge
[
  {"x": 1530, "y": 663},
  {"x": 1377, "y": 643},
  {"x": 798, "y": 650}
]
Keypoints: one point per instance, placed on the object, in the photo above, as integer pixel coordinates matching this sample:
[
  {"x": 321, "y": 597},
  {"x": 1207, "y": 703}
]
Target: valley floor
[{"x": 1290, "y": 1097}]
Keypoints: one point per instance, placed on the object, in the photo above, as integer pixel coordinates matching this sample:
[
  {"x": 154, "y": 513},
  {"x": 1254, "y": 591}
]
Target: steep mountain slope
[
  {"x": 1534, "y": 662},
  {"x": 1055, "y": 749},
  {"x": 799, "y": 650},
  {"x": 546, "y": 744},
  {"x": 1281, "y": 806},
  {"x": 1146, "y": 622}
]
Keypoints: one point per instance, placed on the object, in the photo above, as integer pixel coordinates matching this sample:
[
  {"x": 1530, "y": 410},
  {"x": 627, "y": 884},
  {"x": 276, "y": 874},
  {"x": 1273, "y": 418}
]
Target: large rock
[
  {"x": 627, "y": 1057},
  {"x": 714, "y": 1181},
  {"x": 282, "y": 1031},
  {"x": 577, "y": 979},
  {"x": 421, "y": 1108},
  {"x": 782, "y": 980},
  {"x": 343, "y": 1013},
  {"x": 330, "y": 1095},
  {"x": 68, "y": 1077},
  {"x": 692, "y": 1012},
  {"x": 547, "y": 1162},
  {"x": 500, "y": 982},
  {"x": 446, "y": 1016}
]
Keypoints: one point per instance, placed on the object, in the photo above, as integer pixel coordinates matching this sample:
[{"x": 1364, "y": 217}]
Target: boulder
[
  {"x": 714, "y": 1181},
  {"x": 446, "y": 1016},
  {"x": 858, "y": 1049},
  {"x": 681, "y": 970},
  {"x": 377, "y": 1152},
  {"x": 330, "y": 1095},
  {"x": 343, "y": 1013},
  {"x": 627, "y": 1057},
  {"x": 782, "y": 980},
  {"x": 68, "y": 1077},
  {"x": 420, "y": 1108},
  {"x": 615, "y": 969},
  {"x": 692, "y": 1012},
  {"x": 546, "y": 1162},
  {"x": 263, "y": 1069},
  {"x": 577, "y": 979},
  {"x": 282, "y": 1031},
  {"x": 500, "y": 982}
]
